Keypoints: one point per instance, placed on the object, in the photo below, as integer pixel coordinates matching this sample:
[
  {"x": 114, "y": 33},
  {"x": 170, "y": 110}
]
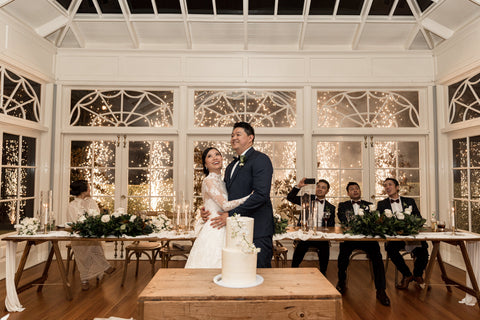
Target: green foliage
[
  {"x": 92, "y": 226},
  {"x": 375, "y": 223},
  {"x": 280, "y": 224}
]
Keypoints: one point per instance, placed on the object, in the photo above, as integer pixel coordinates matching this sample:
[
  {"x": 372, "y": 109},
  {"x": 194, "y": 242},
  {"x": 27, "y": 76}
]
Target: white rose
[
  {"x": 408, "y": 210},
  {"x": 400, "y": 216},
  {"x": 372, "y": 207},
  {"x": 132, "y": 218},
  {"x": 93, "y": 212},
  {"x": 388, "y": 213},
  {"x": 361, "y": 212},
  {"x": 105, "y": 218},
  {"x": 116, "y": 214}
]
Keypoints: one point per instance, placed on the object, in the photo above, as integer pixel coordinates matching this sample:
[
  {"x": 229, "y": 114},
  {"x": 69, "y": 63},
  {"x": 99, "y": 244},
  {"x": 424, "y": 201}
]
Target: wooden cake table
[{"x": 286, "y": 293}]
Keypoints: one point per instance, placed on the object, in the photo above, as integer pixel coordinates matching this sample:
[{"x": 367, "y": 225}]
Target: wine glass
[{"x": 326, "y": 216}]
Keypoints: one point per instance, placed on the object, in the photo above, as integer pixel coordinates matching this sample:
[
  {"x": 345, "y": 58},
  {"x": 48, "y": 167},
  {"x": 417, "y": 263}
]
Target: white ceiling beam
[
  {"x": 4, "y": 2},
  {"x": 155, "y": 10},
  {"x": 245, "y": 24},
  {"x": 335, "y": 8},
  {"x": 97, "y": 7},
  {"x": 392, "y": 9},
  {"x": 363, "y": 18},
  {"x": 437, "y": 28},
  {"x": 71, "y": 14},
  {"x": 186, "y": 24},
  {"x": 131, "y": 30},
  {"x": 306, "y": 10},
  {"x": 411, "y": 37},
  {"x": 78, "y": 34},
  {"x": 51, "y": 26},
  {"x": 416, "y": 14},
  {"x": 214, "y": 6}
]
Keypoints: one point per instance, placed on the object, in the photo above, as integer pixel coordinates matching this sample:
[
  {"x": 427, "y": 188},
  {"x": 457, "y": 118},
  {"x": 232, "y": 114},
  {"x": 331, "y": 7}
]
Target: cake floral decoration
[{"x": 239, "y": 229}]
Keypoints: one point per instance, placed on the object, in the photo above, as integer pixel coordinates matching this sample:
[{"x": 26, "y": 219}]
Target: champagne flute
[{"x": 326, "y": 216}]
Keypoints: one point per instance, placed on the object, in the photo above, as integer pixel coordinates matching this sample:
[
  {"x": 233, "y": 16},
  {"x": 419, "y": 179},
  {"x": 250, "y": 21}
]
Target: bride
[{"x": 207, "y": 249}]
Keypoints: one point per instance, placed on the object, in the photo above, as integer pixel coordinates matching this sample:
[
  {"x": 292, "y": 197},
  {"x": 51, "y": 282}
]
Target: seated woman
[{"x": 89, "y": 256}]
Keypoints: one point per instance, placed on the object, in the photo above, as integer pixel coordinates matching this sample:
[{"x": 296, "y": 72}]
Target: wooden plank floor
[{"x": 109, "y": 299}]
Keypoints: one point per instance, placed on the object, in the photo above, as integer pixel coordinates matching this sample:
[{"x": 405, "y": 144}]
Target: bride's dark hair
[{"x": 204, "y": 156}]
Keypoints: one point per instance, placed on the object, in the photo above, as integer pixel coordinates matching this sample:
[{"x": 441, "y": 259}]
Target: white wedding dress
[{"x": 207, "y": 249}]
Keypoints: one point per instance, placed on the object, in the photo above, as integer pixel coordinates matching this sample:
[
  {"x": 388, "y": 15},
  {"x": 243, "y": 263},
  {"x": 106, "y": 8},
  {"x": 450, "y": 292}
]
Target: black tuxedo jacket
[
  {"x": 406, "y": 202},
  {"x": 254, "y": 176},
  {"x": 344, "y": 207},
  {"x": 293, "y": 198}
]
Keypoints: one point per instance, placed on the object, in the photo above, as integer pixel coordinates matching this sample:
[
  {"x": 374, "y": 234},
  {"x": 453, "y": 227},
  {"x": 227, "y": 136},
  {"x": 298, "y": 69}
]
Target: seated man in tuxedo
[
  {"x": 372, "y": 248},
  {"x": 323, "y": 247},
  {"x": 395, "y": 203}
]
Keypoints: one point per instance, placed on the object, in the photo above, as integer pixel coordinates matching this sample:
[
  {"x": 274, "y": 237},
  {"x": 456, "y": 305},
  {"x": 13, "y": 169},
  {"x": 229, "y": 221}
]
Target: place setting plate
[{"x": 218, "y": 280}]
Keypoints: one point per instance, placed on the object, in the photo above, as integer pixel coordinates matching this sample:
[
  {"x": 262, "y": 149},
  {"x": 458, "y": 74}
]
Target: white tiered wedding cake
[{"x": 239, "y": 257}]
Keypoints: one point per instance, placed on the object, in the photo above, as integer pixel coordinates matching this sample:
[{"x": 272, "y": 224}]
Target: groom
[{"x": 251, "y": 172}]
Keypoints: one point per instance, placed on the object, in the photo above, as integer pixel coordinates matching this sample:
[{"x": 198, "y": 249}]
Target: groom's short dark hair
[{"x": 247, "y": 127}]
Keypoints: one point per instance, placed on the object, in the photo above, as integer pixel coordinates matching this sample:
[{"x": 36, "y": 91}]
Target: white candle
[
  {"x": 178, "y": 215},
  {"x": 41, "y": 205},
  {"x": 50, "y": 199},
  {"x": 45, "y": 206},
  {"x": 186, "y": 215},
  {"x": 453, "y": 218}
]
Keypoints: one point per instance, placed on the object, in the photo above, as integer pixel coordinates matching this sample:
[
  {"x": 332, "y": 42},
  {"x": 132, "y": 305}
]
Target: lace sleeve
[{"x": 214, "y": 191}]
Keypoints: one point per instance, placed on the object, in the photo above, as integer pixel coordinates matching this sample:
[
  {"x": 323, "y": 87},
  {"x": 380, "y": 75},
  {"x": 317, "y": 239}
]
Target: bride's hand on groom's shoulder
[
  {"x": 220, "y": 221},
  {"x": 204, "y": 214}
]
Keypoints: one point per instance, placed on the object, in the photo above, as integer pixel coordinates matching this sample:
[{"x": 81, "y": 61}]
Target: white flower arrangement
[
  {"x": 161, "y": 223},
  {"x": 28, "y": 226},
  {"x": 105, "y": 218},
  {"x": 388, "y": 213},
  {"x": 239, "y": 230}
]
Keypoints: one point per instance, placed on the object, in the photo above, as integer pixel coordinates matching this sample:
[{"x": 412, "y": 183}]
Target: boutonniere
[{"x": 242, "y": 160}]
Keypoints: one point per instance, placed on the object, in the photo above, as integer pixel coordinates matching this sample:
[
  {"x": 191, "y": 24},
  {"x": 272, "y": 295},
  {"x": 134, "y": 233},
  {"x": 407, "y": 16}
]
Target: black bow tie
[
  {"x": 321, "y": 201},
  {"x": 393, "y": 201},
  {"x": 357, "y": 202}
]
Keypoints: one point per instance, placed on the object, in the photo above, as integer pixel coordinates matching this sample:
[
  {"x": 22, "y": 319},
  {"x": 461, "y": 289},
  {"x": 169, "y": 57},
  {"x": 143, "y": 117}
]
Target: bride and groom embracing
[{"x": 245, "y": 190}]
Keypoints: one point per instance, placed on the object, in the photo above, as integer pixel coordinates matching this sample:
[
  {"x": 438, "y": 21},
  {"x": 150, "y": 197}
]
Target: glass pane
[
  {"x": 475, "y": 151},
  {"x": 80, "y": 174},
  {"x": 324, "y": 7},
  {"x": 459, "y": 152},
  {"x": 28, "y": 151},
  {"x": 104, "y": 153},
  {"x": 121, "y": 108},
  {"x": 461, "y": 215},
  {"x": 408, "y": 154},
  {"x": 385, "y": 154},
  {"x": 349, "y": 175},
  {"x": 460, "y": 183},
  {"x": 351, "y": 154},
  {"x": 21, "y": 97},
  {"x": 103, "y": 182},
  {"x": 283, "y": 180},
  {"x": 409, "y": 182},
  {"x": 328, "y": 155},
  {"x": 7, "y": 215},
  {"x": 380, "y": 176},
  {"x": 11, "y": 145},
  {"x": 260, "y": 108},
  {"x": 379, "y": 109},
  {"x": 475, "y": 183},
  {"x": 464, "y": 101},
  {"x": 475, "y": 217},
  {"x": 27, "y": 182},
  {"x": 284, "y": 154},
  {"x": 138, "y": 153},
  {"x": 106, "y": 204},
  {"x": 26, "y": 208},
  {"x": 80, "y": 154},
  {"x": 333, "y": 178},
  {"x": 9, "y": 183},
  {"x": 261, "y": 7}
]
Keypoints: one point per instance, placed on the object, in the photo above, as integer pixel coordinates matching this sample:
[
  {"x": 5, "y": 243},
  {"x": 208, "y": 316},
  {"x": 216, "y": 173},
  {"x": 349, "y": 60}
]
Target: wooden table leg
[
  {"x": 428, "y": 272},
  {"x": 44, "y": 276},
  {"x": 470, "y": 272},
  {"x": 22, "y": 263},
  {"x": 61, "y": 269}
]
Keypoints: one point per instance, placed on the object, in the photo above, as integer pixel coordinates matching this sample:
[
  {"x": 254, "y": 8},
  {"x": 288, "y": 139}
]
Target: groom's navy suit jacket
[{"x": 255, "y": 175}]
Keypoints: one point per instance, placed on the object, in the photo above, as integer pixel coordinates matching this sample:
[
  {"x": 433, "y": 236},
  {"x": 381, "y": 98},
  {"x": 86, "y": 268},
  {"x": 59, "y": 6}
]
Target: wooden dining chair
[
  {"x": 149, "y": 249},
  {"x": 280, "y": 254}
]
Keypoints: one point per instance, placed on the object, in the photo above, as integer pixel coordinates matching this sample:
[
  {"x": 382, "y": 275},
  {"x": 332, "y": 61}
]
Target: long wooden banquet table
[{"x": 12, "y": 303}]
